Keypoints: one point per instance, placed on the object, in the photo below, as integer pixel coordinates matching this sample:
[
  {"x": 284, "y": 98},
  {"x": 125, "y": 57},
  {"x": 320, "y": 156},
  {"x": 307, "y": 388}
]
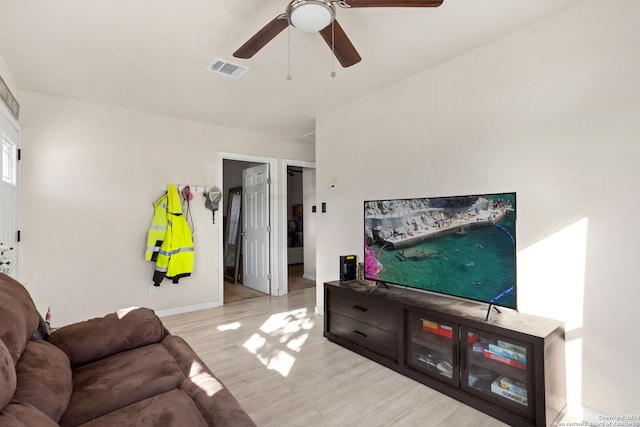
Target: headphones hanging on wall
[{"x": 186, "y": 193}]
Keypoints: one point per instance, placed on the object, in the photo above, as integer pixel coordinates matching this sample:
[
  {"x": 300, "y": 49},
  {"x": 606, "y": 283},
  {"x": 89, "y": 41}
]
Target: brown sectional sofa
[{"x": 123, "y": 369}]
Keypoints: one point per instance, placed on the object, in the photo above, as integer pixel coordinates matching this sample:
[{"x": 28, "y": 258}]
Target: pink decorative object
[{"x": 372, "y": 265}]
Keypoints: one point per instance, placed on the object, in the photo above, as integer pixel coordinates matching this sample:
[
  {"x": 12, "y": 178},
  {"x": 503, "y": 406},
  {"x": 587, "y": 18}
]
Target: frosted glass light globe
[{"x": 311, "y": 16}]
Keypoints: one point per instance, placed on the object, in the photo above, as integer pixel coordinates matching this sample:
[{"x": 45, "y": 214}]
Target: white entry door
[
  {"x": 9, "y": 213},
  {"x": 256, "y": 228}
]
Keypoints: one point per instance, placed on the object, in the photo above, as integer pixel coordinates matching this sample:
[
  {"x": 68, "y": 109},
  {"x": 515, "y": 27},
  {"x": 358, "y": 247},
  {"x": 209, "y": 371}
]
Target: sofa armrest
[{"x": 94, "y": 339}]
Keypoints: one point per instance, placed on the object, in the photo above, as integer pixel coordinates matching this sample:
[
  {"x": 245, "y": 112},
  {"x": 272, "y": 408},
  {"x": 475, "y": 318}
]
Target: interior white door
[
  {"x": 9, "y": 213},
  {"x": 256, "y": 228}
]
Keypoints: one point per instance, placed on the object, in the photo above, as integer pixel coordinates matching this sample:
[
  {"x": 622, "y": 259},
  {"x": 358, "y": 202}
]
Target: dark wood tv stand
[{"x": 511, "y": 366}]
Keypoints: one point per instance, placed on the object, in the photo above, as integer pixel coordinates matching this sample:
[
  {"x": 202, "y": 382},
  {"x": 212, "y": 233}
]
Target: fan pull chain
[
  {"x": 333, "y": 49},
  {"x": 289, "y": 52}
]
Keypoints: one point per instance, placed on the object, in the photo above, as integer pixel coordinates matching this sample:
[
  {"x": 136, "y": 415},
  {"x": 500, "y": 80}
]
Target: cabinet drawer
[
  {"x": 364, "y": 310},
  {"x": 365, "y": 335}
]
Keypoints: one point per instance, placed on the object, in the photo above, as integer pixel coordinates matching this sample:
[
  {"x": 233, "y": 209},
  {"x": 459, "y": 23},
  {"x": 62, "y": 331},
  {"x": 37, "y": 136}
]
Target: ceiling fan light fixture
[{"x": 310, "y": 16}]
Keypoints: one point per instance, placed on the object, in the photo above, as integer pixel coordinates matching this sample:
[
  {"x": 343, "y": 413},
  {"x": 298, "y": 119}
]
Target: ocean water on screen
[{"x": 478, "y": 264}]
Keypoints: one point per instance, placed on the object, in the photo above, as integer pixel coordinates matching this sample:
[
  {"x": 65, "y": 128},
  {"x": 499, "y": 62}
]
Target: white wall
[
  {"x": 309, "y": 221},
  {"x": 90, "y": 175},
  {"x": 551, "y": 112}
]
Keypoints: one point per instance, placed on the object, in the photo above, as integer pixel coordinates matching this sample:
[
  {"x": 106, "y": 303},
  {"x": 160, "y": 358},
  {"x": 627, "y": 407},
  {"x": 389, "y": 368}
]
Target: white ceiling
[{"x": 153, "y": 55}]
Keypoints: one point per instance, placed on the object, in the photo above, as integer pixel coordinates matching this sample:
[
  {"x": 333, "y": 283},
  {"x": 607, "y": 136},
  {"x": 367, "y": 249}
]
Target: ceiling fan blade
[
  {"x": 338, "y": 41},
  {"x": 262, "y": 37},
  {"x": 393, "y": 3}
]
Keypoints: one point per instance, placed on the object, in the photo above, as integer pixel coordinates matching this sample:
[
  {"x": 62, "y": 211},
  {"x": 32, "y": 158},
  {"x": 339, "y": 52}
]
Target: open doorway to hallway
[
  {"x": 295, "y": 272},
  {"x": 246, "y": 265},
  {"x": 301, "y": 241}
]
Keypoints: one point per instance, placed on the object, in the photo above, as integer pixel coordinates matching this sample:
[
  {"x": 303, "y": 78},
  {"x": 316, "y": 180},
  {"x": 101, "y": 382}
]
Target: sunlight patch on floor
[
  {"x": 229, "y": 326},
  {"x": 279, "y": 338}
]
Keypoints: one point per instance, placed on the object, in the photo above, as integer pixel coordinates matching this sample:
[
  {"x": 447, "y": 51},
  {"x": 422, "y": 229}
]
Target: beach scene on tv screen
[{"x": 462, "y": 246}]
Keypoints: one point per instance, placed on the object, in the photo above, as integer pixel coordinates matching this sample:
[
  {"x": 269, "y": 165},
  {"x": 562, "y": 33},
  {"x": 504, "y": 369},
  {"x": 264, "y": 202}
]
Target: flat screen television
[{"x": 461, "y": 246}]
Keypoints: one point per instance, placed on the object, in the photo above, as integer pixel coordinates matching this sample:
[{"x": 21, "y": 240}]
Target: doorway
[
  {"x": 300, "y": 260},
  {"x": 247, "y": 271},
  {"x": 301, "y": 240},
  {"x": 230, "y": 168}
]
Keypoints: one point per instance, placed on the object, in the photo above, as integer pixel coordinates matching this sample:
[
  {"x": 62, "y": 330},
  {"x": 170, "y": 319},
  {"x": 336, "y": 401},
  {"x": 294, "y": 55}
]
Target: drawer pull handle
[
  {"x": 359, "y": 308},
  {"x": 360, "y": 333}
]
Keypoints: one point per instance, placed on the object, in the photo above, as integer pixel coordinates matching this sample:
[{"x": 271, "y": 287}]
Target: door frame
[
  {"x": 274, "y": 241},
  {"x": 284, "y": 266}
]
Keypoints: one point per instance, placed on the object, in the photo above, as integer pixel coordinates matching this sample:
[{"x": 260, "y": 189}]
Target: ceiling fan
[{"x": 317, "y": 16}]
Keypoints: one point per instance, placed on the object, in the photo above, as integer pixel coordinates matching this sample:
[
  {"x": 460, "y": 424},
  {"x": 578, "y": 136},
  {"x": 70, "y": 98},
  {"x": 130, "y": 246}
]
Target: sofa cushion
[
  {"x": 7, "y": 376},
  {"x": 19, "y": 316},
  {"x": 171, "y": 409},
  {"x": 120, "y": 380},
  {"x": 24, "y": 415},
  {"x": 94, "y": 339},
  {"x": 44, "y": 378},
  {"x": 217, "y": 404}
]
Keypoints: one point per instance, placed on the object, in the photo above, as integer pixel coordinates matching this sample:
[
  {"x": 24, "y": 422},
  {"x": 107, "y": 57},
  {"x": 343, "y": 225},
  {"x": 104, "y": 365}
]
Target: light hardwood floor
[
  {"x": 295, "y": 281},
  {"x": 271, "y": 354}
]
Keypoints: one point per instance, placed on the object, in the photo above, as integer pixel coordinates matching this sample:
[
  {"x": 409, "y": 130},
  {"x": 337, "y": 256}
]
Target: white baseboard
[
  {"x": 187, "y": 308},
  {"x": 319, "y": 310},
  {"x": 309, "y": 277}
]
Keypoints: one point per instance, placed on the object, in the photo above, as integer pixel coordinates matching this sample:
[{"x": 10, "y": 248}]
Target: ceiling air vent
[{"x": 226, "y": 68}]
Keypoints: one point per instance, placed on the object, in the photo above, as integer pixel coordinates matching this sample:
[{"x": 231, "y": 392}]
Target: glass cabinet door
[
  {"x": 432, "y": 347},
  {"x": 498, "y": 369}
]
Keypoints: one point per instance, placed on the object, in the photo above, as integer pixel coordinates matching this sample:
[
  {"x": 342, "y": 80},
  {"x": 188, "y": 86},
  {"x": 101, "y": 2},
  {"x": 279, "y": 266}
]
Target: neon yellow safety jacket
[{"x": 169, "y": 242}]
